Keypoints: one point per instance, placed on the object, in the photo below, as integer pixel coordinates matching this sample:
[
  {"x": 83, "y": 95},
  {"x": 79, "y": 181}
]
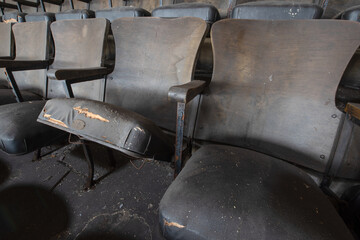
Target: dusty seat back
[
  {"x": 276, "y": 10},
  {"x": 73, "y": 40},
  {"x": 274, "y": 85},
  {"x": 32, "y": 40},
  {"x": 6, "y": 39},
  {"x": 6, "y": 49},
  {"x": 152, "y": 54}
]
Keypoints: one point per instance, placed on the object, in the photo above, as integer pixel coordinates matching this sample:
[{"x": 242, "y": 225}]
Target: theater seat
[
  {"x": 114, "y": 13},
  {"x": 40, "y": 16},
  {"x": 270, "y": 110},
  {"x": 276, "y": 10},
  {"x": 28, "y": 135},
  {"x": 20, "y": 133},
  {"x": 234, "y": 193},
  {"x": 205, "y": 11},
  {"x": 137, "y": 90},
  {"x": 14, "y": 17},
  {"x": 6, "y": 50},
  {"x": 74, "y": 14}
]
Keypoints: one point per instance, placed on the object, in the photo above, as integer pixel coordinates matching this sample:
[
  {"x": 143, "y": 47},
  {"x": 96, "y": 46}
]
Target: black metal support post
[
  {"x": 90, "y": 162},
  {"x": 42, "y": 5},
  {"x": 14, "y": 86},
  {"x": 68, "y": 89},
  {"x": 37, "y": 154},
  {"x": 180, "y": 119}
]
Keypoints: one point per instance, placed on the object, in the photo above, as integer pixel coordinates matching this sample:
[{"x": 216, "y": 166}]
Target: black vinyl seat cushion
[
  {"x": 232, "y": 193},
  {"x": 276, "y": 10},
  {"x": 21, "y": 133},
  {"x": 205, "y": 11},
  {"x": 109, "y": 125},
  {"x": 114, "y": 13},
  {"x": 7, "y": 96},
  {"x": 40, "y": 16},
  {"x": 74, "y": 14},
  {"x": 18, "y": 16},
  {"x": 352, "y": 14}
]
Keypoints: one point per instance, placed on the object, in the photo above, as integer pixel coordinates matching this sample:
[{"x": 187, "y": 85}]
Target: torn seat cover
[{"x": 108, "y": 125}]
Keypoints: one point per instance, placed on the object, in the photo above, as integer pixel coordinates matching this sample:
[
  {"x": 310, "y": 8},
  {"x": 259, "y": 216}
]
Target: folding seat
[
  {"x": 74, "y": 14},
  {"x": 111, "y": 14},
  {"x": 14, "y": 17},
  {"x": 207, "y": 12},
  {"x": 276, "y": 10},
  {"x": 40, "y": 16},
  {"x": 6, "y": 50},
  {"x": 10, "y": 18},
  {"x": 269, "y": 110},
  {"x": 19, "y": 131},
  {"x": 152, "y": 55}
]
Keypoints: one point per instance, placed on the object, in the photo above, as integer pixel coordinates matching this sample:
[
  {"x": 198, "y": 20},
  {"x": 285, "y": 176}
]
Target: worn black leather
[
  {"x": 276, "y": 10},
  {"x": 18, "y": 16},
  {"x": 74, "y": 14},
  {"x": 114, "y": 13},
  {"x": 108, "y": 125},
  {"x": 7, "y": 96},
  {"x": 40, "y": 16},
  {"x": 207, "y": 12},
  {"x": 20, "y": 132},
  {"x": 232, "y": 193},
  {"x": 352, "y": 14}
]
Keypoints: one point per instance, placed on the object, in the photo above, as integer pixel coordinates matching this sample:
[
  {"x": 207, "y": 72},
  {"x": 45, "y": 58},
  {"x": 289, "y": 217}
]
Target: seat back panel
[
  {"x": 6, "y": 48},
  {"x": 32, "y": 40},
  {"x": 74, "y": 41},
  {"x": 153, "y": 54},
  {"x": 274, "y": 86}
]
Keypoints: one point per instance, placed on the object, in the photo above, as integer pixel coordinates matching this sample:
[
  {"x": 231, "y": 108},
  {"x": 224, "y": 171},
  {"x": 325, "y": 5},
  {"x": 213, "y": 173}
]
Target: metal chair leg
[
  {"x": 111, "y": 158},
  {"x": 90, "y": 162},
  {"x": 37, "y": 155}
]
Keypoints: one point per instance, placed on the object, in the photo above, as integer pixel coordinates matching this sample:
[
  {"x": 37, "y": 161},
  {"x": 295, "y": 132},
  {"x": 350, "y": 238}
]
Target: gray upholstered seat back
[
  {"x": 153, "y": 54},
  {"x": 7, "y": 43},
  {"x": 114, "y": 13},
  {"x": 77, "y": 46},
  {"x": 6, "y": 48},
  {"x": 276, "y": 10},
  {"x": 32, "y": 43},
  {"x": 352, "y": 14},
  {"x": 274, "y": 84}
]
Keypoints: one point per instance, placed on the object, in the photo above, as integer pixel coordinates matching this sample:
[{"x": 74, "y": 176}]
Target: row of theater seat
[
  {"x": 272, "y": 91},
  {"x": 253, "y": 10}
]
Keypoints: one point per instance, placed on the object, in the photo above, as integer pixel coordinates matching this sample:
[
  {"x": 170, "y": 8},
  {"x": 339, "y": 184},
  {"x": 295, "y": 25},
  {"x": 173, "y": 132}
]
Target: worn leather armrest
[
  {"x": 21, "y": 65},
  {"x": 353, "y": 109},
  {"x": 186, "y": 92},
  {"x": 82, "y": 74}
]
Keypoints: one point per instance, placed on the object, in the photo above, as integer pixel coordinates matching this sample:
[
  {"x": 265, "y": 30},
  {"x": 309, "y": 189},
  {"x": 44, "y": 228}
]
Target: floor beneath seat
[{"x": 45, "y": 199}]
